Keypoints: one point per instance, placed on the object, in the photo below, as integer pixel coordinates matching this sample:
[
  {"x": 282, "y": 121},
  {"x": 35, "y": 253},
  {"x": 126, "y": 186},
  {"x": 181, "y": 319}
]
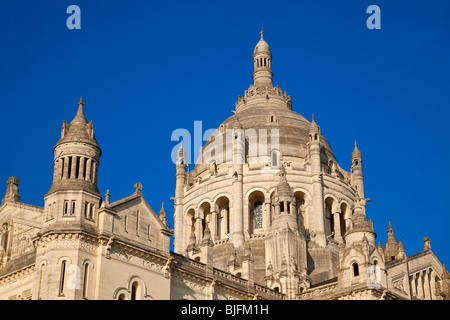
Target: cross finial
[
  {"x": 262, "y": 31},
  {"x": 107, "y": 196},
  {"x": 138, "y": 188}
]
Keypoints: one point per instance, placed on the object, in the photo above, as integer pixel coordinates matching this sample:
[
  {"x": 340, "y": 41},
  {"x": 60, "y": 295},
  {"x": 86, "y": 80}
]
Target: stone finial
[
  {"x": 81, "y": 102},
  {"x": 401, "y": 250},
  {"x": 356, "y": 152},
  {"x": 380, "y": 248},
  {"x": 181, "y": 154},
  {"x": 426, "y": 244},
  {"x": 107, "y": 197},
  {"x": 138, "y": 188},
  {"x": 12, "y": 190},
  {"x": 163, "y": 216}
]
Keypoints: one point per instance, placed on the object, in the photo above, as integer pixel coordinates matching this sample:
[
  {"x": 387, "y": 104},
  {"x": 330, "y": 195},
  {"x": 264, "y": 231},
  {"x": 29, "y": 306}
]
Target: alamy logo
[
  {"x": 232, "y": 146},
  {"x": 73, "y": 277},
  {"x": 74, "y": 20},
  {"x": 374, "y": 280},
  {"x": 374, "y": 21}
]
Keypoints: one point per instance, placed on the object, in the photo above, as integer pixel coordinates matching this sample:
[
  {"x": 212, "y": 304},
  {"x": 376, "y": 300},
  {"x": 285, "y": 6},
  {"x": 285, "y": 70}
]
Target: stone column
[
  {"x": 318, "y": 219},
  {"x": 420, "y": 285},
  {"x": 81, "y": 172},
  {"x": 94, "y": 172},
  {"x": 336, "y": 212},
  {"x": 433, "y": 284},
  {"x": 237, "y": 217},
  {"x": 267, "y": 218},
  {"x": 74, "y": 167},
  {"x": 88, "y": 169},
  {"x": 337, "y": 227},
  {"x": 214, "y": 226},
  {"x": 179, "y": 241},
  {"x": 414, "y": 285},
  {"x": 426, "y": 284},
  {"x": 199, "y": 229},
  {"x": 277, "y": 209}
]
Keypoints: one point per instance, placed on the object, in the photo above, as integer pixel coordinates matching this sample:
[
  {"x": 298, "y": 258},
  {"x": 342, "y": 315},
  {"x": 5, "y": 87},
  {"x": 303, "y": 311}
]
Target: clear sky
[{"x": 147, "y": 68}]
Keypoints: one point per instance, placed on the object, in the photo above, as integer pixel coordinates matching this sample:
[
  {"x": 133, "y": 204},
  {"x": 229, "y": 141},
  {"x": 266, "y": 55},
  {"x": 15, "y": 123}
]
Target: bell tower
[
  {"x": 74, "y": 196},
  {"x": 66, "y": 246}
]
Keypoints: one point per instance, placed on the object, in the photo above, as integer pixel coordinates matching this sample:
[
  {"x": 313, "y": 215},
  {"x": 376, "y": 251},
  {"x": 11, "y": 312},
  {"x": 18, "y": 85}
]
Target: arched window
[
  {"x": 355, "y": 269},
  {"x": 274, "y": 159},
  {"x": 122, "y": 297},
  {"x": 258, "y": 215},
  {"x": 134, "y": 291},
  {"x": 85, "y": 281},
  {"x": 41, "y": 280},
  {"x": 62, "y": 277},
  {"x": 228, "y": 219}
]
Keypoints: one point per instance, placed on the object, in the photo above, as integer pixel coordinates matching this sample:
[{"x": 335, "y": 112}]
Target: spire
[
  {"x": 283, "y": 188},
  {"x": 390, "y": 228},
  {"x": 79, "y": 130},
  {"x": 314, "y": 129},
  {"x": 391, "y": 247},
  {"x": 401, "y": 250},
  {"x": 163, "y": 216},
  {"x": 181, "y": 154},
  {"x": 77, "y": 155},
  {"x": 356, "y": 152},
  {"x": 262, "y": 60},
  {"x": 79, "y": 119}
]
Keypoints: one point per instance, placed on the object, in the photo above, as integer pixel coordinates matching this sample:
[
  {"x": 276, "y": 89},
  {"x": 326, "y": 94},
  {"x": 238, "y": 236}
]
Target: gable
[{"x": 136, "y": 220}]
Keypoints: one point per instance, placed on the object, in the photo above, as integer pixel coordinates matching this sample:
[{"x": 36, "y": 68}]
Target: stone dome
[
  {"x": 293, "y": 131},
  {"x": 262, "y": 45}
]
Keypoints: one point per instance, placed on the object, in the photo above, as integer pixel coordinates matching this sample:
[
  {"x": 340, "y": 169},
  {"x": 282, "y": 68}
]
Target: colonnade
[{"x": 74, "y": 167}]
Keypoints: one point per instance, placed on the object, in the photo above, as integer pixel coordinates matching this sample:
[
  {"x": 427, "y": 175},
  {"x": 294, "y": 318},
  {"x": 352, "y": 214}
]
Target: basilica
[{"x": 266, "y": 214}]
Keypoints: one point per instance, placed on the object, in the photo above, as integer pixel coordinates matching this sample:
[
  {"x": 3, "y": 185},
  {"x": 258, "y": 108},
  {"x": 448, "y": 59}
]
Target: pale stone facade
[{"x": 278, "y": 221}]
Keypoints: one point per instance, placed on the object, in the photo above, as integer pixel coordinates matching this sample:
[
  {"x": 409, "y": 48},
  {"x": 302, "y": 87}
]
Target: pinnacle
[{"x": 79, "y": 117}]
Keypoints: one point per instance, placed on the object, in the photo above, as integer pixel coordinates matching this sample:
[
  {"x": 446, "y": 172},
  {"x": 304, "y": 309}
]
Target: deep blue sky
[{"x": 146, "y": 68}]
